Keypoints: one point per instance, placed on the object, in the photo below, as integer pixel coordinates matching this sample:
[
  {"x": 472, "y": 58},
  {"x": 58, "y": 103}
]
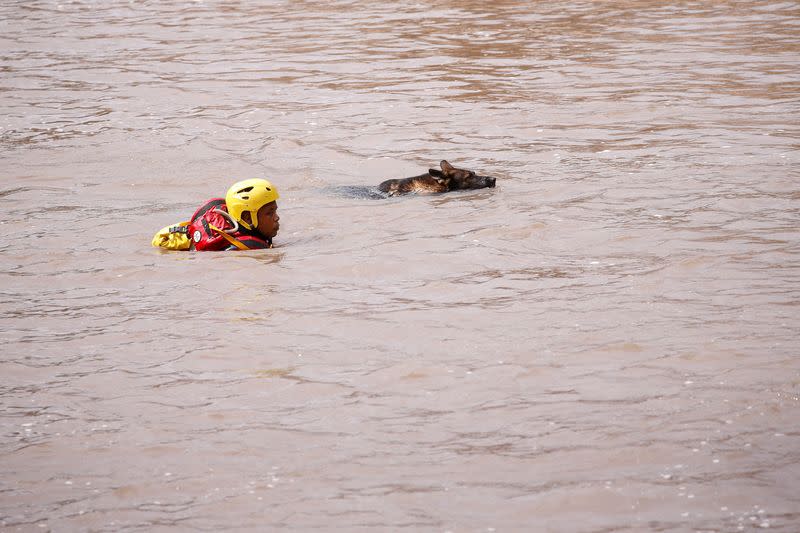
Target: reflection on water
[{"x": 604, "y": 342}]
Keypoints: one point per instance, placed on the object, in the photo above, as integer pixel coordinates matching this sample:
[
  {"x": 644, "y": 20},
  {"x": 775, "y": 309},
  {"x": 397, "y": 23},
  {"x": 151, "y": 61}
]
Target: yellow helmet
[{"x": 249, "y": 195}]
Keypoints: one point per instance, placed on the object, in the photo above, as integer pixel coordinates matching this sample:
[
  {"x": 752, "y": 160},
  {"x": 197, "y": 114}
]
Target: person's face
[{"x": 268, "y": 218}]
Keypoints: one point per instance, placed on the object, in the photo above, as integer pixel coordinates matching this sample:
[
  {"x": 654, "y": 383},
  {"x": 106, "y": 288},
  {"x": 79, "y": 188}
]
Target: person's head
[{"x": 253, "y": 203}]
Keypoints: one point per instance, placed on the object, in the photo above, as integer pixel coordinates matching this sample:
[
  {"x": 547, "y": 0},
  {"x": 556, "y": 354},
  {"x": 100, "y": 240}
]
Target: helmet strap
[{"x": 248, "y": 224}]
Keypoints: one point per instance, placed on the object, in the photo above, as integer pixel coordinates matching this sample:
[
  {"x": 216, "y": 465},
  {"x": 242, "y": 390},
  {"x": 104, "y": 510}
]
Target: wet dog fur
[{"x": 449, "y": 178}]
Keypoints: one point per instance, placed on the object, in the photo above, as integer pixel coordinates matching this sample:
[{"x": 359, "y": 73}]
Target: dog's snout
[{"x": 490, "y": 182}]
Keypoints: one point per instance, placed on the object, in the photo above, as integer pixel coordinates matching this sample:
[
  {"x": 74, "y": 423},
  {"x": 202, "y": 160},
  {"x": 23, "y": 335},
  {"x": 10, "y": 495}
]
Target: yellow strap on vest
[{"x": 236, "y": 242}]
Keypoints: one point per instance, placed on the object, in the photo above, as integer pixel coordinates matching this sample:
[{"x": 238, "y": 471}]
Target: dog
[{"x": 449, "y": 178}]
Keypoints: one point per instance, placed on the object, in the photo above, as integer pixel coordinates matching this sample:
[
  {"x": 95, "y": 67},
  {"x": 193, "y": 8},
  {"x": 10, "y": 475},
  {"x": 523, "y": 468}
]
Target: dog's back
[{"x": 424, "y": 183}]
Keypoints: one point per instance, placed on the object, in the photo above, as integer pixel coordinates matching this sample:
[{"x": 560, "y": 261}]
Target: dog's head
[{"x": 457, "y": 178}]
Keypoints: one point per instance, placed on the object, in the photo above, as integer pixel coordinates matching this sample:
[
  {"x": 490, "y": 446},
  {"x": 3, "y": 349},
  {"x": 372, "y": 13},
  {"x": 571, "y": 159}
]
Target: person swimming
[{"x": 246, "y": 219}]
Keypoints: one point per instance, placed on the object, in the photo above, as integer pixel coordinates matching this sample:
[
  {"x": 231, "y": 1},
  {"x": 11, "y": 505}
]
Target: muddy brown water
[{"x": 607, "y": 341}]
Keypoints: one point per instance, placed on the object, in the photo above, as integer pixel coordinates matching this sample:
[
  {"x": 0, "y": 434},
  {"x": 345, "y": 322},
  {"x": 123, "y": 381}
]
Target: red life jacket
[{"x": 211, "y": 228}]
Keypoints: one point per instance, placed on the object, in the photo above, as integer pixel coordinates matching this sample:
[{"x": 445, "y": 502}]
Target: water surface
[{"x": 607, "y": 341}]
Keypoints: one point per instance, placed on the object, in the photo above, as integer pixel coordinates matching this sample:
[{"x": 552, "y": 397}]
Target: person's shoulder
[
  {"x": 255, "y": 243},
  {"x": 252, "y": 243}
]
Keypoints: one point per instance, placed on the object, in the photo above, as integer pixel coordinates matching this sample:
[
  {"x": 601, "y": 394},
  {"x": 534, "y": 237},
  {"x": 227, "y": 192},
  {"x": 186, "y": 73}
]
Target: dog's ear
[
  {"x": 439, "y": 176},
  {"x": 447, "y": 167}
]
